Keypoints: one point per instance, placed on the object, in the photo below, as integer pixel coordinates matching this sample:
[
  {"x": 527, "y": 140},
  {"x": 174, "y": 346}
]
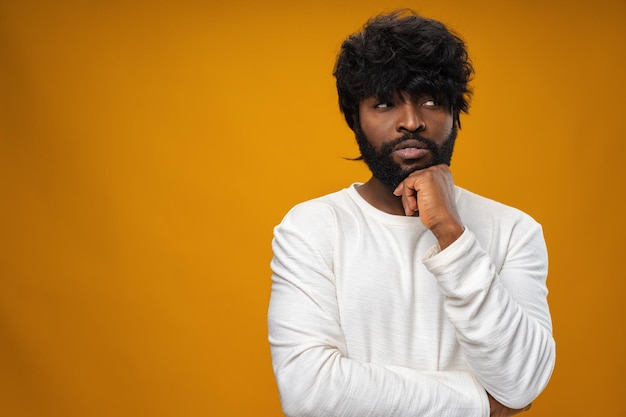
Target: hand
[
  {"x": 430, "y": 193},
  {"x": 499, "y": 410}
]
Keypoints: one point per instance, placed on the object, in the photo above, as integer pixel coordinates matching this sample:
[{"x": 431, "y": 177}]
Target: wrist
[{"x": 447, "y": 234}]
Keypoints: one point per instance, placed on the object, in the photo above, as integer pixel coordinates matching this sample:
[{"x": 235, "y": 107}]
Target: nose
[{"x": 410, "y": 118}]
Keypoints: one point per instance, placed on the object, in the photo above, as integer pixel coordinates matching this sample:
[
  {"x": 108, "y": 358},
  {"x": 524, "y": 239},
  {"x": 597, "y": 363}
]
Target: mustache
[{"x": 431, "y": 145}]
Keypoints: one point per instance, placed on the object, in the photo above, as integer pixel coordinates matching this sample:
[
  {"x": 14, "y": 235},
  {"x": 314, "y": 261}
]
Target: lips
[{"x": 411, "y": 149}]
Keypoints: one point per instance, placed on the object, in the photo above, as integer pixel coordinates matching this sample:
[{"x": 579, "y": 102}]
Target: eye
[
  {"x": 383, "y": 106},
  {"x": 431, "y": 103}
]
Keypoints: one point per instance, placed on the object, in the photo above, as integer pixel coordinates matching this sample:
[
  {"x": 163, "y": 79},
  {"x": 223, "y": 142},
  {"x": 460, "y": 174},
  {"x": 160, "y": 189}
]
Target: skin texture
[{"x": 428, "y": 190}]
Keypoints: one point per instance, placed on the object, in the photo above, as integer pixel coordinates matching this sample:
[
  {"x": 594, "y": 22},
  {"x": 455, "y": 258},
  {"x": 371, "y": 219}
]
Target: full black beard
[{"x": 388, "y": 172}]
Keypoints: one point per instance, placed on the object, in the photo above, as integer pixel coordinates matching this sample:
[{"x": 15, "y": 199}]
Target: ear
[{"x": 352, "y": 120}]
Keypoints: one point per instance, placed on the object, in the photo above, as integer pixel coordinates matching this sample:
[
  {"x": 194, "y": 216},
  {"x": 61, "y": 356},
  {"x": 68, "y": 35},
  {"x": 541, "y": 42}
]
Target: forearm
[
  {"x": 316, "y": 379},
  {"x": 507, "y": 341},
  {"x": 510, "y": 352}
]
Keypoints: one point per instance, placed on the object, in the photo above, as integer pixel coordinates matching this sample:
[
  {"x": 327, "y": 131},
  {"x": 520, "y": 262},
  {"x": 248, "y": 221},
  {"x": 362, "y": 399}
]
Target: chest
[{"x": 390, "y": 307}]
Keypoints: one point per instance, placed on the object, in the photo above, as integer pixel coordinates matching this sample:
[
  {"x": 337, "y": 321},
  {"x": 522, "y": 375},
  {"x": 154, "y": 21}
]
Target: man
[{"x": 407, "y": 295}]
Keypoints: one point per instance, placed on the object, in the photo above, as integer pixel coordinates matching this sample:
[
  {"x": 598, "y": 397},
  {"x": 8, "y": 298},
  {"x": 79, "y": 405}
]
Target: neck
[{"x": 380, "y": 196}]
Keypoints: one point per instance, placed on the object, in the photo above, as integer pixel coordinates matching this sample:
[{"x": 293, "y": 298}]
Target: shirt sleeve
[
  {"x": 501, "y": 317},
  {"x": 314, "y": 373}
]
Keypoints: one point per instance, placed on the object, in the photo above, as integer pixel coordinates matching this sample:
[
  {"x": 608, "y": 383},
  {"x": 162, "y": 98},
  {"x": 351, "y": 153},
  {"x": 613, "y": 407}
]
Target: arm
[
  {"x": 502, "y": 318},
  {"x": 313, "y": 370}
]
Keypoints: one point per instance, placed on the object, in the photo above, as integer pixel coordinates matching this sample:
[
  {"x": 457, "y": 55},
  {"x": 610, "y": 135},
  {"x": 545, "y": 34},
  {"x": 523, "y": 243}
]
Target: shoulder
[
  {"x": 315, "y": 221},
  {"x": 476, "y": 206},
  {"x": 493, "y": 221},
  {"x": 506, "y": 232},
  {"x": 320, "y": 210},
  {"x": 308, "y": 233}
]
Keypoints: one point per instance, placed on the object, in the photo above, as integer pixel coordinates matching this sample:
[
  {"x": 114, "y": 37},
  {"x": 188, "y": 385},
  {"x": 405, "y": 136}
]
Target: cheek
[
  {"x": 445, "y": 124},
  {"x": 371, "y": 130}
]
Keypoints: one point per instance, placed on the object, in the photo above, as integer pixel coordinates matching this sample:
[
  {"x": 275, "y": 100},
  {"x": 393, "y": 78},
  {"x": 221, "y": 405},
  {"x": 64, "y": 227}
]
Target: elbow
[
  {"x": 539, "y": 380},
  {"x": 297, "y": 398},
  {"x": 305, "y": 390},
  {"x": 533, "y": 381},
  {"x": 290, "y": 396}
]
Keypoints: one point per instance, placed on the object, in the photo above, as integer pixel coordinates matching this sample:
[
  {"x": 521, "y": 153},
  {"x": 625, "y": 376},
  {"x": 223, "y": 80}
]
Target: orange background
[{"x": 147, "y": 149}]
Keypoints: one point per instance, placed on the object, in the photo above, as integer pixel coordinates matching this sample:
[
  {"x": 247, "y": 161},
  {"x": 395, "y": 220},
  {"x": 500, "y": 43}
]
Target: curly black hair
[{"x": 402, "y": 51}]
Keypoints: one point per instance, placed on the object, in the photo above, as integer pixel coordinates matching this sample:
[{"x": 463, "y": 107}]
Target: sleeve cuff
[{"x": 453, "y": 248}]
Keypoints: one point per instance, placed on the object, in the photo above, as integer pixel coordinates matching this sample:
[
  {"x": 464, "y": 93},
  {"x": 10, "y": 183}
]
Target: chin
[{"x": 408, "y": 169}]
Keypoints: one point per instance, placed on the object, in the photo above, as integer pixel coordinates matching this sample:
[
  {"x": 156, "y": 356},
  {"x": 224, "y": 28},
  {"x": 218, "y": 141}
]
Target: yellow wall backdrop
[{"x": 147, "y": 149}]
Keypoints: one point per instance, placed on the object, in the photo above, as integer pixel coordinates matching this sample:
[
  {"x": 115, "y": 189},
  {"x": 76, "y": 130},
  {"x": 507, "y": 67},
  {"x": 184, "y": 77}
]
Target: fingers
[
  {"x": 430, "y": 194},
  {"x": 429, "y": 183},
  {"x": 410, "y": 205},
  {"x": 408, "y": 195}
]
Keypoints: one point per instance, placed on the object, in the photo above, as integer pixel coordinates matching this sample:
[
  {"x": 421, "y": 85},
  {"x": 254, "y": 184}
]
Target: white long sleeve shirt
[{"x": 368, "y": 317}]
